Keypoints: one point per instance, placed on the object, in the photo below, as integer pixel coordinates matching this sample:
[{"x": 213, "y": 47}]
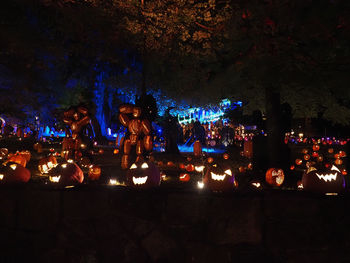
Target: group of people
[{"x": 209, "y": 134}]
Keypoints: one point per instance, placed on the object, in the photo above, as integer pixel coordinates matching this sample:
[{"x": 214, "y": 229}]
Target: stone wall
[{"x": 112, "y": 224}]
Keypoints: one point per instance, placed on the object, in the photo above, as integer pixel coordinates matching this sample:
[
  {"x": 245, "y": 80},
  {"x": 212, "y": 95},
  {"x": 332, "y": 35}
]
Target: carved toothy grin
[
  {"x": 327, "y": 177},
  {"x": 55, "y": 179},
  {"x": 217, "y": 177},
  {"x": 139, "y": 180}
]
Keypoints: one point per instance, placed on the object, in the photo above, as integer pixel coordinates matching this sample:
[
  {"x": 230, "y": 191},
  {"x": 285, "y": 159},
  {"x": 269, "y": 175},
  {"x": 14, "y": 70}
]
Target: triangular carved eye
[
  {"x": 133, "y": 166},
  {"x": 144, "y": 166},
  {"x": 335, "y": 168},
  {"x": 228, "y": 171}
]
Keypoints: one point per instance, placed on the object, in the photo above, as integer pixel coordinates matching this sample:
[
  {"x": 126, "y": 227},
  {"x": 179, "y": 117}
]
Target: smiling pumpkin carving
[
  {"x": 323, "y": 181},
  {"x": 143, "y": 174},
  {"x": 219, "y": 178}
]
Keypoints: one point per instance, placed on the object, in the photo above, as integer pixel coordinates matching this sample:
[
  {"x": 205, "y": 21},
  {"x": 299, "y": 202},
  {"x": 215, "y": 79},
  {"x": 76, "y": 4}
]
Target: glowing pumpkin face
[
  {"x": 329, "y": 180},
  {"x": 46, "y": 164},
  {"x": 143, "y": 175},
  {"x": 66, "y": 174},
  {"x": 219, "y": 178},
  {"x": 14, "y": 173},
  {"x": 17, "y": 158},
  {"x": 274, "y": 176}
]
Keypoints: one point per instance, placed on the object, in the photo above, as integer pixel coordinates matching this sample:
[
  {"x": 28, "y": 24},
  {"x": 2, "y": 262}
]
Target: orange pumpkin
[
  {"x": 46, "y": 164},
  {"x": 94, "y": 172},
  {"x": 338, "y": 161},
  {"x": 342, "y": 154},
  {"x": 14, "y": 173},
  {"x": 17, "y": 158},
  {"x": 241, "y": 169},
  {"x": 66, "y": 174},
  {"x": 298, "y": 161},
  {"x": 4, "y": 151},
  {"x": 116, "y": 151},
  {"x": 306, "y": 157},
  {"x": 26, "y": 154},
  {"x": 225, "y": 156},
  {"x": 315, "y": 147},
  {"x": 330, "y": 150},
  {"x": 170, "y": 164},
  {"x": 181, "y": 166},
  {"x": 190, "y": 168},
  {"x": 275, "y": 176},
  {"x": 184, "y": 177},
  {"x": 210, "y": 159}
]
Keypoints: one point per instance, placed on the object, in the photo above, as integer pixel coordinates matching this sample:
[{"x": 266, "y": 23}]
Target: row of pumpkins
[
  {"x": 14, "y": 169},
  {"x": 145, "y": 174}
]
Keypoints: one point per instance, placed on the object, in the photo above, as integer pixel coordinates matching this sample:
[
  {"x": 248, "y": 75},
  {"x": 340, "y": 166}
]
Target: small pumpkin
[
  {"x": 184, "y": 177},
  {"x": 274, "y": 176},
  {"x": 94, "y": 172},
  {"x": 190, "y": 167},
  {"x": 298, "y": 161},
  {"x": 210, "y": 159},
  {"x": 315, "y": 147},
  {"x": 3, "y": 153},
  {"x": 142, "y": 175}
]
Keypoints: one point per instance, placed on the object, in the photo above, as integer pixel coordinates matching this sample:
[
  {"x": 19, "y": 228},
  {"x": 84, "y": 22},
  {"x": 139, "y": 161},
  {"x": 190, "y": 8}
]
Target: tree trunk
[{"x": 277, "y": 151}]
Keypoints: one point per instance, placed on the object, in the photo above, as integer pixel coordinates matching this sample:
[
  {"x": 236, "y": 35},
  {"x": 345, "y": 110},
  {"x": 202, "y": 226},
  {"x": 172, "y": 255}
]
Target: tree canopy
[{"x": 199, "y": 50}]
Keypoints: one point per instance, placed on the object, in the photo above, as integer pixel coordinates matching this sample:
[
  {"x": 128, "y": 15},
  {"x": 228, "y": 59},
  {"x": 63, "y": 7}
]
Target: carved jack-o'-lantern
[
  {"x": 143, "y": 174},
  {"x": 190, "y": 167},
  {"x": 219, "y": 178},
  {"x": 14, "y": 173},
  {"x": 275, "y": 176},
  {"x": 26, "y": 154},
  {"x": 184, "y": 177},
  {"x": 17, "y": 158},
  {"x": 94, "y": 172},
  {"x": 210, "y": 159},
  {"x": 298, "y": 161},
  {"x": 315, "y": 147},
  {"x": 46, "y": 164},
  {"x": 323, "y": 181},
  {"x": 66, "y": 174}
]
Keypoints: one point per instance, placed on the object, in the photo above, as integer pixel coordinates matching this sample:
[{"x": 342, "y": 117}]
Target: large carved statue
[
  {"x": 77, "y": 119},
  {"x": 139, "y": 133}
]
